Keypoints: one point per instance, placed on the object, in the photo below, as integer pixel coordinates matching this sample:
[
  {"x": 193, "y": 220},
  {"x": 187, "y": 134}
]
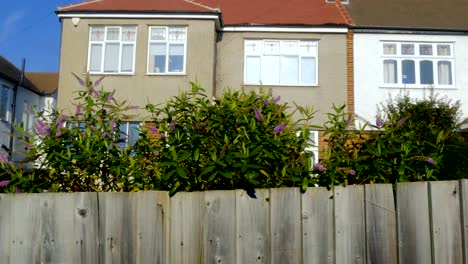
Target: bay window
[
  {"x": 417, "y": 64},
  {"x": 167, "y": 50},
  {"x": 112, "y": 49},
  {"x": 280, "y": 62}
]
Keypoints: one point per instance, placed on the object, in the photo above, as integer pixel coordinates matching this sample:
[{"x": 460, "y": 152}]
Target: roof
[
  {"x": 10, "y": 72},
  {"x": 46, "y": 82},
  {"x": 410, "y": 14},
  {"x": 234, "y": 12}
]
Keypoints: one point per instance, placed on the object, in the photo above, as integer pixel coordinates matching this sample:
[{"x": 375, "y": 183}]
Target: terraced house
[{"x": 149, "y": 49}]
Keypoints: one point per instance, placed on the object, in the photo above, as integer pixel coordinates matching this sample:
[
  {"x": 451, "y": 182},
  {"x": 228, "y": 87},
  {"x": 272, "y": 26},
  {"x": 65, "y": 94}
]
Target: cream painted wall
[
  {"x": 368, "y": 72},
  {"x": 138, "y": 88},
  {"x": 331, "y": 70}
]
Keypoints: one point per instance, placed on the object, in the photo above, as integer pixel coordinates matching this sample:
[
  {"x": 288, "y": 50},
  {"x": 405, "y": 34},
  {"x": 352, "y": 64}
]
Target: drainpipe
[{"x": 13, "y": 107}]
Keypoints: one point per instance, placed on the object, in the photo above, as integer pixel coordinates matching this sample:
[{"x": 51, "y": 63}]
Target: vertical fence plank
[
  {"x": 414, "y": 239},
  {"x": 381, "y": 228},
  {"x": 5, "y": 228},
  {"x": 85, "y": 227},
  {"x": 187, "y": 216},
  {"x": 253, "y": 227},
  {"x": 220, "y": 224},
  {"x": 317, "y": 226},
  {"x": 350, "y": 225},
  {"x": 446, "y": 222},
  {"x": 285, "y": 222},
  {"x": 122, "y": 233},
  {"x": 464, "y": 208}
]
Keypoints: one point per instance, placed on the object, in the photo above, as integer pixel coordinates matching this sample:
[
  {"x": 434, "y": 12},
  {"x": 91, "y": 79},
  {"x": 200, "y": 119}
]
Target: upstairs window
[
  {"x": 4, "y": 103},
  {"x": 280, "y": 62},
  {"x": 167, "y": 48},
  {"x": 417, "y": 64},
  {"x": 112, "y": 49}
]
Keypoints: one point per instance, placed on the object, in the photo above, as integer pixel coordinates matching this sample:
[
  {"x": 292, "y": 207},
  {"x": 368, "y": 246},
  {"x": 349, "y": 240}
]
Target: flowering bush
[{"x": 240, "y": 140}]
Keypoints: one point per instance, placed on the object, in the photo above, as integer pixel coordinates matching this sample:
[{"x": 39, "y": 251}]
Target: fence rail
[{"x": 423, "y": 223}]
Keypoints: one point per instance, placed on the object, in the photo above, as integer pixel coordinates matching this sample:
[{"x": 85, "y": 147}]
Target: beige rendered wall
[
  {"x": 138, "y": 88},
  {"x": 331, "y": 70}
]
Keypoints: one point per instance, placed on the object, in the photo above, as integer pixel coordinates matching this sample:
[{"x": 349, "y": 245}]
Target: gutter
[{"x": 409, "y": 30}]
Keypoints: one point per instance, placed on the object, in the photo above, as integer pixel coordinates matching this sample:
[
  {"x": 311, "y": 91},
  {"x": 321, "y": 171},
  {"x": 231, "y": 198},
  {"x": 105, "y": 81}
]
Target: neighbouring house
[
  {"x": 409, "y": 46},
  {"x": 20, "y": 100},
  {"x": 149, "y": 49}
]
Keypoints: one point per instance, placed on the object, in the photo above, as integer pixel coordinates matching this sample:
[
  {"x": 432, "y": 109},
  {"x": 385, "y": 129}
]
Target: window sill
[
  {"x": 283, "y": 85},
  {"x": 166, "y": 74},
  {"x": 417, "y": 87},
  {"x": 110, "y": 74}
]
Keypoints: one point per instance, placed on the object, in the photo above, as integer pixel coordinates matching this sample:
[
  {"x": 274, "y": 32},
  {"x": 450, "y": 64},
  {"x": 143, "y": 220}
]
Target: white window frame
[
  {"x": 28, "y": 116},
  {"x": 417, "y": 58},
  {"x": 125, "y": 127},
  {"x": 263, "y": 53},
  {"x": 167, "y": 42},
  {"x": 103, "y": 44},
  {"x": 5, "y": 116}
]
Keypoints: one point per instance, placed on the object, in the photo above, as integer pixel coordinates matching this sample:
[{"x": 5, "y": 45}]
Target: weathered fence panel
[
  {"x": 253, "y": 227},
  {"x": 131, "y": 228},
  {"x": 187, "y": 219},
  {"x": 220, "y": 224},
  {"x": 446, "y": 222},
  {"x": 286, "y": 226},
  {"x": 353, "y": 224},
  {"x": 414, "y": 234},
  {"x": 350, "y": 225},
  {"x": 381, "y": 228},
  {"x": 317, "y": 226}
]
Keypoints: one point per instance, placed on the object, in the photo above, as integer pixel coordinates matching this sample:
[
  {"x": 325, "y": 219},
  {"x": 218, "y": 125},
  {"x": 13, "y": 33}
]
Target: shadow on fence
[{"x": 424, "y": 223}]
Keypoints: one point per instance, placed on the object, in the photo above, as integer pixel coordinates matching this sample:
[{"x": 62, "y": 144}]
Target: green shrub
[{"x": 240, "y": 140}]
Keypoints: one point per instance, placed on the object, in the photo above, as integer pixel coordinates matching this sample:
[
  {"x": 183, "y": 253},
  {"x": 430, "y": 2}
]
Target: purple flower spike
[
  {"x": 401, "y": 122},
  {"x": 110, "y": 97},
  {"x": 82, "y": 83},
  {"x": 98, "y": 81},
  {"x": 350, "y": 118},
  {"x": 4, "y": 183},
  {"x": 266, "y": 102},
  {"x": 379, "y": 122},
  {"x": 156, "y": 153},
  {"x": 3, "y": 159},
  {"x": 352, "y": 172},
  {"x": 106, "y": 135},
  {"x": 59, "y": 133},
  {"x": 430, "y": 160},
  {"x": 279, "y": 128},
  {"x": 320, "y": 167},
  {"x": 42, "y": 128},
  {"x": 78, "y": 111},
  {"x": 172, "y": 126},
  {"x": 258, "y": 115},
  {"x": 94, "y": 92},
  {"x": 154, "y": 130},
  {"x": 113, "y": 124},
  {"x": 277, "y": 99}
]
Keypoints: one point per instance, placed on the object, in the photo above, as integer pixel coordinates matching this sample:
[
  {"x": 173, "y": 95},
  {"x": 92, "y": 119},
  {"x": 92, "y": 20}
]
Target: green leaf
[{"x": 196, "y": 154}]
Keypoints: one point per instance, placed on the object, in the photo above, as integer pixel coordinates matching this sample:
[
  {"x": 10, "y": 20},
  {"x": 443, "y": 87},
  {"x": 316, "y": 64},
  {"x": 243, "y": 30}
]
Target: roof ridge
[
  {"x": 202, "y": 5},
  {"x": 343, "y": 12},
  {"x": 78, "y": 4}
]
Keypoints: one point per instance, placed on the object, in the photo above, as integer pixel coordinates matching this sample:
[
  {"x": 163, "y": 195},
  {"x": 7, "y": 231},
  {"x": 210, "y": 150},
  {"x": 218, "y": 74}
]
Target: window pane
[
  {"x": 308, "y": 71},
  {"x": 4, "y": 103},
  {"x": 158, "y": 33},
  {"x": 407, "y": 49},
  {"x": 176, "y": 58},
  {"x": 425, "y": 49},
  {"x": 289, "y": 47},
  {"x": 308, "y": 48},
  {"x": 157, "y": 60},
  {"x": 177, "y": 34},
  {"x": 426, "y": 72},
  {"x": 445, "y": 72},
  {"x": 133, "y": 132},
  {"x": 253, "y": 46},
  {"x": 270, "y": 69},
  {"x": 95, "y": 58},
  {"x": 390, "y": 71},
  {"x": 289, "y": 70},
  {"x": 389, "y": 48},
  {"x": 113, "y": 33},
  {"x": 128, "y": 33},
  {"x": 97, "y": 33},
  {"x": 443, "y": 50},
  {"x": 111, "y": 58},
  {"x": 408, "y": 69},
  {"x": 127, "y": 58},
  {"x": 271, "y": 47},
  {"x": 252, "y": 69}
]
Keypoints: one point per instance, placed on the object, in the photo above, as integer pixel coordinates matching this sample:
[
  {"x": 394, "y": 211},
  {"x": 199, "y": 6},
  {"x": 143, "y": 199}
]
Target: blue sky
[{"x": 30, "y": 29}]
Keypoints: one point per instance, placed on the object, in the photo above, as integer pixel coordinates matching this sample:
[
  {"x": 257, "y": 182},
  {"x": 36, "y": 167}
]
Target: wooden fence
[{"x": 426, "y": 223}]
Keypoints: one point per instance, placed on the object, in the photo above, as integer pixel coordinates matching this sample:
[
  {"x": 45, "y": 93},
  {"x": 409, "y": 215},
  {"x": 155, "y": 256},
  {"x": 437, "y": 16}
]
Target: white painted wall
[
  {"x": 368, "y": 75},
  {"x": 41, "y": 103}
]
